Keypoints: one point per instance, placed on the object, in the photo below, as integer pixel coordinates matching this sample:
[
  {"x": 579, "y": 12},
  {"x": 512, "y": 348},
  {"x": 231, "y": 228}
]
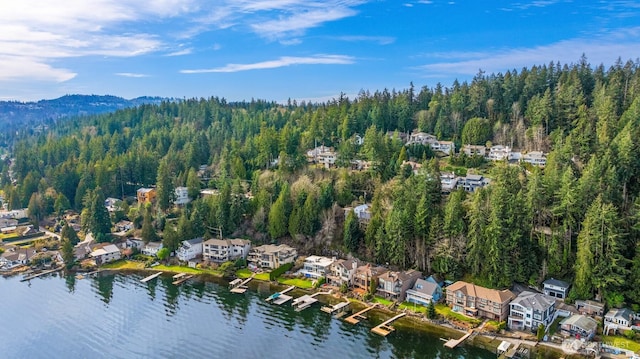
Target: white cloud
[
  {"x": 14, "y": 68},
  {"x": 382, "y": 40},
  {"x": 182, "y": 52},
  {"x": 297, "y": 23},
  {"x": 281, "y": 62},
  {"x": 130, "y": 74}
]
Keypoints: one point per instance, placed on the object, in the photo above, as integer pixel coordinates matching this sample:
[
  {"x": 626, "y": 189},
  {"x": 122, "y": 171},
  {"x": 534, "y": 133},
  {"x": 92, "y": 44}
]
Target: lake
[{"x": 117, "y": 316}]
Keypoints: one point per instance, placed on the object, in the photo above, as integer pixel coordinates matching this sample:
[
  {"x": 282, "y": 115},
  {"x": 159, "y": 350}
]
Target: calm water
[{"x": 117, "y": 316}]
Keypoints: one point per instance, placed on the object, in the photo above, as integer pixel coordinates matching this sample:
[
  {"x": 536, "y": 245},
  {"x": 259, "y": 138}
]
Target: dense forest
[{"x": 577, "y": 218}]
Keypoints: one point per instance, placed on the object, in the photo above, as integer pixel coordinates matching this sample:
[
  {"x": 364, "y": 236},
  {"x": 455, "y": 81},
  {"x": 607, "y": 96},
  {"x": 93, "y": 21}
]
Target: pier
[
  {"x": 306, "y": 301},
  {"x": 452, "y": 343},
  {"x": 385, "y": 328},
  {"x": 239, "y": 286},
  {"x": 155, "y": 275},
  {"x": 182, "y": 279},
  {"x": 40, "y": 274},
  {"x": 280, "y": 297},
  {"x": 336, "y": 310},
  {"x": 356, "y": 318}
]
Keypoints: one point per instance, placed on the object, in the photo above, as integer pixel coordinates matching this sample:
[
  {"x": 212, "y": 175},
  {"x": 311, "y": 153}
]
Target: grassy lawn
[
  {"x": 621, "y": 342},
  {"x": 245, "y": 273},
  {"x": 382, "y": 301},
  {"x": 446, "y": 312},
  {"x": 124, "y": 264},
  {"x": 413, "y": 307},
  {"x": 298, "y": 282},
  {"x": 181, "y": 269},
  {"x": 5, "y": 236}
]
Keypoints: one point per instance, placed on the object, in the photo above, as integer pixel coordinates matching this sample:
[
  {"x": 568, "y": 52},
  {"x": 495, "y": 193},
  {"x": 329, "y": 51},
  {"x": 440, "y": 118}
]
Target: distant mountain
[{"x": 15, "y": 115}]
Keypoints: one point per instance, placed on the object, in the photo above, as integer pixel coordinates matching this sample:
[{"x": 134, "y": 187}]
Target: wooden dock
[
  {"x": 240, "y": 287},
  {"x": 182, "y": 279},
  {"x": 306, "y": 301},
  {"x": 385, "y": 328},
  {"x": 452, "y": 343},
  {"x": 41, "y": 274},
  {"x": 356, "y": 318},
  {"x": 155, "y": 275},
  {"x": 179, "y": 275},
  {"x": 280, "y": 297},
  {"x": 337, "y": 309}
]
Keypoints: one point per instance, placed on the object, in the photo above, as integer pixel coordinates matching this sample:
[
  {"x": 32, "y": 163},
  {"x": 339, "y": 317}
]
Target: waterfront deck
[
  {"x": 385, "y": 328},
  {"x": 240, "y": 286},
  {"x": 337, "y": 309},
  {"x": 452, "y": 343},
  {"x": 280, "y": 298},
  {"x": 306, "y": 301},
  {"x": 182, "y": 279},
  {"x": 155, "y": 275},
  {"x": 41, "y": 274},
  {"x": 179, "y": 275},
  {"x": 356, "y": 318}
]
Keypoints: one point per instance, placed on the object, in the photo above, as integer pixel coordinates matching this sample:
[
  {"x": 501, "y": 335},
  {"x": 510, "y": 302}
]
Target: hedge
[{"x": 274, "y": 274}]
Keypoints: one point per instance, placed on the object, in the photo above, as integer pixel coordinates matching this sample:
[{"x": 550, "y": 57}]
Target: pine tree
[
  {"x": 148, "y": 233},
  {"x": 351, "y": 233},
  {"x": 67, "y": 253},
  {"x": 164, "y": 186},
  {"x": 278, "y": 224}
]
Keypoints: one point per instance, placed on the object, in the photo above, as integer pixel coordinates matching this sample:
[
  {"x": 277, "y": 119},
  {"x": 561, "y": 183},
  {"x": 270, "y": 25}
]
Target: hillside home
[
  {"x": 106, "y": 254},
  {"x": 272, "y": 256},
  {"x": 529, "y": 310},
  {"x": 472, "y": 182},
  {"x": 111, "y": 204},
  {"x": 189, "y": 249},
  {"x": 322, "y": 155},
  {"x": 476, "y": 301},
  {"x": 620, "y": 319},
  {"x": 499, "y": 153},
  {"x": 590, "y": 307},
  {"x": 555, "y": 288},
  {"x": 448, "y": 181},
  {"x": 224, "y": 250},
  {"x": 394, "y": 285},
  {"x": 402, "y": 136},
  {"x": 422, "y": 138},
  {"x": 182, "y": 196},
  {"x": 474, "y": 150},
  {"x": 536, "y": 158},
  {"x": 133, "y": 243},
  {"x": 152, "y": 248},
  {"x": 424, "y": 292},
  {"x": 316, "y": 266},
  {"x": 415, "y": 166},
  {"x": 446, "y": 147},
  {"x": 123, "y": 226},
  {"x": 579, "y": 326},
  {"x": 342, "y": 271},
  {"x": 146, "y": 195},
  {"x": 363, "y": 213}
]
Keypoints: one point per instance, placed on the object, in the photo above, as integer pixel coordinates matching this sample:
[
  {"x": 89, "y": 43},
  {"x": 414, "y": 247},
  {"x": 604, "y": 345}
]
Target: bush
[
  {"x": 274, "y": 274},
  {"x": 319, "y": 282},
  {"x": 630, "y": 334}
]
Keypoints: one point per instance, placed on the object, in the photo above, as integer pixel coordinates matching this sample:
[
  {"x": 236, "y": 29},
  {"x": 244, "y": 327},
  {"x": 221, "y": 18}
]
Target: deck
[
  {"x": 41, "y": 274},
  {"x": 155, "y": 275},
  {"x": 337, "y": 309},
  {"x": 182, "y": 279},
  {"x": 452, "y": 343},
  {"x": 385, "y": 328},
  {"x": 306, "y": 301},
  {"x": 240, "y": 287},
  {"x": 356, "y": 318},
  {"x": 279, "y": 298}
]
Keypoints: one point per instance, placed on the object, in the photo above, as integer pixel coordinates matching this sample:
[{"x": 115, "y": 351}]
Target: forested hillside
[{"x": 575, "y": 219}]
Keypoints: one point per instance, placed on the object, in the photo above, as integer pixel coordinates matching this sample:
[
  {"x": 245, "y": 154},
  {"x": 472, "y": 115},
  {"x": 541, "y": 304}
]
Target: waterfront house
[
  {"x": 182, "y": 196},
  {"x": 446, "y": 147},
  {"x": 620, "y": 319},
  {"x": 364, "y": 276},
  {"x": 472, "y": 182},
  {"x": 146, "y": 195},
  {"x": 394, "y": 285},
  {"x": 106, "y": 254},
  {"x": 15, "y": 257},
  {"x": 272, "y": 256},
  {"x": 529, "y": 310},
  {"x": 476, "y": 301},
  {"x": 342, "y": 271},
  {"x": 590, "y": 307},
  {"x": 152, "y": 248},
  {"x": 8, "y": 223},
  {"x": 424, "y": 292},
  {"x": 536, "y": 158},
  {"x": 555, "y": 288},
  {"x": 474, "y": 150},
  {"x": 448, "y": 181},
  {"x": 316, "y": 266},
  {"x": 224, "y": 250},
  {"x": 579, "y": 326},
  {"x": 189, "y": 249}
]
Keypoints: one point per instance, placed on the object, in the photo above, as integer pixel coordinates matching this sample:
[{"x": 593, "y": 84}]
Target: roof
[
  {"x": 145, "y": 190},
  {"x": 323, "y": 261},
  {"x": 556, "y": 282},
  {"x": 536, "y": 301},
  {"x": 153, "y": 244},
  {"x": 624, "y": 313},
  {"x": 240, "y": 242},
  {"x": 581, "y": 321},
  {"x": 494, "y": 295},
  {"x": 193, "y": 241},
  {"x": 426, "y": 287},
  {"x": 474, "y": 177},
  {"x": 271, "y": 248},
  {"x": 111, "y": 248}
]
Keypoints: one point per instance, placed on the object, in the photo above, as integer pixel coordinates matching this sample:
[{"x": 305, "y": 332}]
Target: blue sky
[{"x": 298, "y": 49}]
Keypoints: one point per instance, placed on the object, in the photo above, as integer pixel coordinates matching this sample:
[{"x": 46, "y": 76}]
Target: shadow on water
[
  {"x": 103, "y": 283},
  {"x": 70, "y": 281}
]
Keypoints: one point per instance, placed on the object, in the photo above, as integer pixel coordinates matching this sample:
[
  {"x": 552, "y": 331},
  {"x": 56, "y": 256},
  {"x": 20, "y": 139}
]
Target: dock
[
  {"x": 280, "y": 298},
  {"x": 356, "y": 318},
  {"x": 179, "y": 275},
  {"x": 452, "y": 343},
  {"x": 240, "y": 286},
  {"x": 182, "y": 279},
  {"x": 306, "y": 301},
  {"x": 155, "y": 275},
  {"x": 40, "y": 274},
  {"x": 336, "y": 310},
  {"x": 385, "y": 328}
]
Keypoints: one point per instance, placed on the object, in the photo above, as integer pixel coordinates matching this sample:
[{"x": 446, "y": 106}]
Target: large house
[
  {"x": 189, "y": 249},
  {"x": 423, "y": 138},
  {"x": 182, "y": 196},
  {"x": 272, "y": 256},
  {"x": 424, "y": 292},
  {"x": 224, "y": 250},
  {"x": 499, "y": 153},
  {"x": 364, "y": 276},
  {"x": 448, "y": 181},
  {"x": 472, "y": 182},
  {"x": 536, "y": 158},
  {"x": 476, "y": 301},
  {"x": 316, "y": 267},
  {"x": 341, "y": 272},
  {"x": 394, "y": 285},
  {"x": 15, "y": 257},
  {"x": 590, "y": 307},
  {"x": 323, "y": 155},
  {"x": 152, "y": 248},
  {"x": 579, "y": 326},
  {"x": 529, "y": 310},
  {"x": 106, "y": 254},
  {"x": 446, "y": 147},
  {"x": 474, "y": 150},
  {"x": 146, "y": 195},
  {"x": 620, "y": 319},
  {"x": 555, "y": 288}
]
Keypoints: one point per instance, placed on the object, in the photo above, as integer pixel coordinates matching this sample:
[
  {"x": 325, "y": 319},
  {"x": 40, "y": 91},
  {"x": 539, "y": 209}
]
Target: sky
[{"x": 309, "y": 50}]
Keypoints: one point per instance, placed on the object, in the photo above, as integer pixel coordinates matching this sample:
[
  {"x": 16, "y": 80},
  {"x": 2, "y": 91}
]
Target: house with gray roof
[
  {"x": 579, "y": 326},
  {"x": 622, "y": 319},
  {"x": 189, "y": 249},
  {"x": 555, "y": 288},
  {"x": 342, "y": 271},
  {"x": 530, "y": 309},
  {"x": 424, "y": 292}
]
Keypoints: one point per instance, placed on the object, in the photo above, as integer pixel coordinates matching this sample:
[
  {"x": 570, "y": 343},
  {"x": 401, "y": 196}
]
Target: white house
[
  {"x": 316, "y": 267},
  {"x": 555, "y": 288},
  {"x": 182, "y": 196},
  {"x": 448, "y": 181},
  {"x": 421, "y": 138},
  {"x": 472, "y": 182},
  {"x": 8, "y": 223},
  {"x": 620, "y": 319},
  {"x": 499, "y": 153},
  {"x": 445, "y": 147},
  {"x": 342, "y": 271},
  {"x": 189, "y": 249},
  {"x": 323, "y": 155},
  {"x": 536, "y": 158},
  {"x": 224, "y": 250},
  {"x": 530, "y": 309},
  {"x": 424, "y": 292},
  {"x": 106, "y": 254},
  {"x": 363, "y": 212},
  {"x": 111, "y": 204},
  {"x": 152, "y": 248},
  {"x": 15, "y": 213},
  {"x": 16, "y": 257},
  {"x": 474, "y": 150}
]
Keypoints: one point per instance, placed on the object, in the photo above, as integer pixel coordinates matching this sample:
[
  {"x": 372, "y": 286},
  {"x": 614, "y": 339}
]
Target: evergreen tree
[
  {"x": 351, "y": 233},
  {"x": 69, "y": 234},
  {"x": 67, "y": 253},
  {"x": 100, "y": 221},
  {"x": 148, "y": 233},
  {"x": 278, "y": 224},
  {"x": 164, "y": 186}
]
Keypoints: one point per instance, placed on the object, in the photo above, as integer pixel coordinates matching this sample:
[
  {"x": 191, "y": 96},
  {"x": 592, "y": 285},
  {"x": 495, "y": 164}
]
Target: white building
[
  {"x": 111, "y": 204},
  {"x": 189, "y": 249},
  {"x": 529, "y": 310},
  {"x": 322, "y": 155},
  {"x": 106, "y": 254},
  {"x": 182, "y": 196},
  {"x": 224, "y": 250},
  {"x": 536, "y": 158},
  {"x": 152, "y": 248},
  {"x": 316, "y": 267},
  {"x": 448, "y": 181},
  {"x": 423, "y": 138},
  {"x": 499, "y": 153},
  {"x": 272, "y": 256},
  {"x": 446, "y": 147}
]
